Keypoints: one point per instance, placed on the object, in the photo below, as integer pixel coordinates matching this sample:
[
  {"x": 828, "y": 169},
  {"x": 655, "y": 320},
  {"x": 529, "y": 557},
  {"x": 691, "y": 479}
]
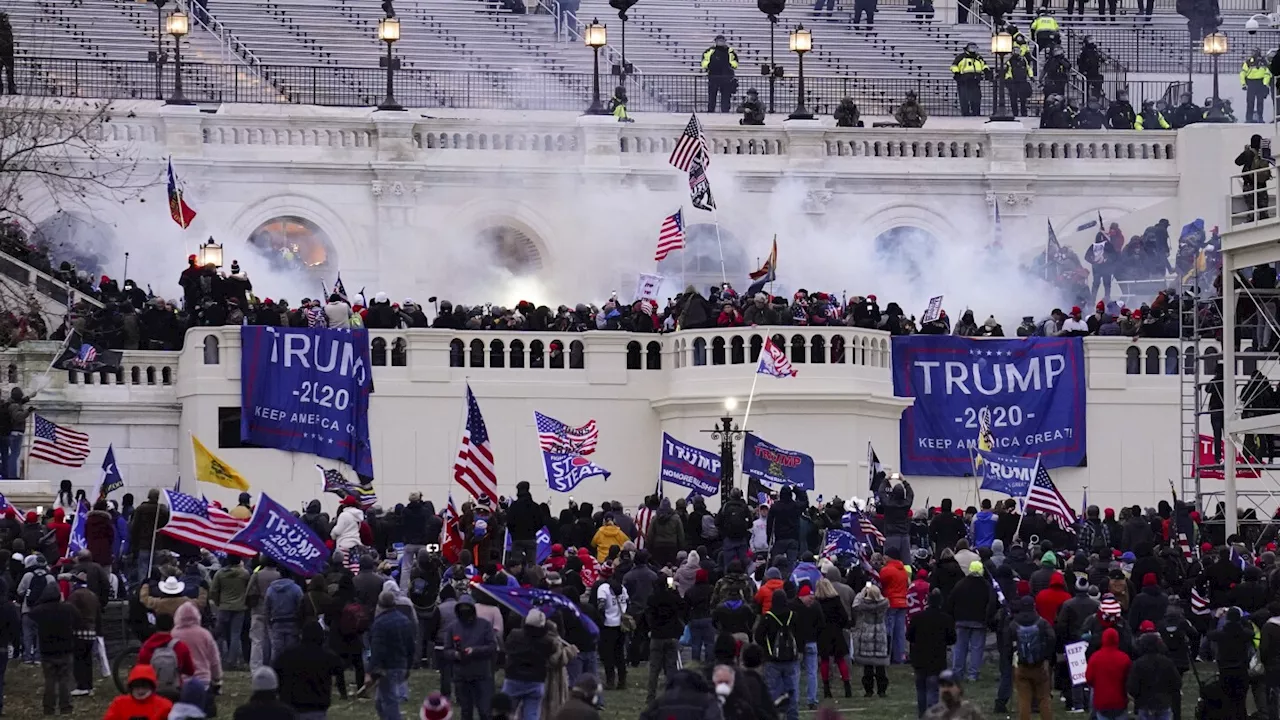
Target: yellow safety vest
[
  {"x": 1249, "y": 71},
  {"x": 1044, "y": 23},
  {"x": 966, "y": 65},
  {"x": 1164, "y": 124}
]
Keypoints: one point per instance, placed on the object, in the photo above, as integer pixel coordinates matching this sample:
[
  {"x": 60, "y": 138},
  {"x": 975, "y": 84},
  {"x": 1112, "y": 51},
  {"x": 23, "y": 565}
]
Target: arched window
[
  {"x": 908, "y": 250},
  {"x": 557, "y": 355},
  {"x": 378, "y": 351},
  {"x": 456, "y": 351},
  {"x": 1153, "y": 361},
  {"x": 818, "y": 349},
  {"x": 797, "y": 348},
  {"x": 577, "y": 355},
  {"x": 1189, "y": 361},
  {"x": 166, "y": 376},
  {"x": 780, "y": 343},
  {"x": 837, "y": 350},
  {"x": 699, "y": 263},
  {"x": 717, "y": 351},
  {"x": 496, "y": 354},
  {"x": 536, "y": 359},
  {"x": 1171, "y": 361},
  {"x": 477, "y": 353},
  {"x": 211, "y": 350},
  {"x": 699, "y": 351},
  {"x": 135, "y": 375},
  {"x": 399, "y": 352},
  {"x": 11, "y": 373},
  {"x": 757, "y": 343},
  {"x": 653, "y": 356},
  {"x": 510, "y": 251},
  {"x": 151, "y": 376},
  {"x": 290, "y": 242},
  {"x": 737, "y": 350},
  {"x": 517, "y": 354},
  {"x": 1132, "y": 361},
  {"x": 633, "y": 355}
]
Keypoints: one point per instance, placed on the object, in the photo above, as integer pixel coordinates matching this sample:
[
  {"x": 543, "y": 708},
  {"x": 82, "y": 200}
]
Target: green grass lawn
[{"x": 24, "y": 685}]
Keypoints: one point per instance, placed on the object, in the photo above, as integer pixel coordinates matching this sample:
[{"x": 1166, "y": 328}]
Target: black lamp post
[
  {"x": 623, "y": 69},
  {"x": 158, "y": 56},
  {"x": 595, "y": 37},
  {"x": 1001, "y": 46},
  {"x": 389, "y": 33},
  {"x": 772, "y": 8},
  {"x": 1215, "y": 44},
  {"x": 726, "y": 432},
  {"x": 801, "y": 43},
  {"x": 178, "y": 25}
]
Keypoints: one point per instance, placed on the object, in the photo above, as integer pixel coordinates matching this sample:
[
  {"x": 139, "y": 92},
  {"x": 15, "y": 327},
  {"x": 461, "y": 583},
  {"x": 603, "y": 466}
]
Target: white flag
[{"x": 647, "y": 287}]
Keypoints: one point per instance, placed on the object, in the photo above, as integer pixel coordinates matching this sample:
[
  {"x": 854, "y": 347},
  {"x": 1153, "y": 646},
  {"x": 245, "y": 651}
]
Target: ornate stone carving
[
  {"x": 1009, "y": 199},
  {"x": 816, "y": 201}
]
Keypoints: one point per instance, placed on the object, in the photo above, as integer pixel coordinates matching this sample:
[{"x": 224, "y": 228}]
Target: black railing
[{"x": 504, "y": 90}]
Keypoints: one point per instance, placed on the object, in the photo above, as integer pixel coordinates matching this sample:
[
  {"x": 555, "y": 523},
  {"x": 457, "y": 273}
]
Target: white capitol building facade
[{"x": 400, "y": 198}]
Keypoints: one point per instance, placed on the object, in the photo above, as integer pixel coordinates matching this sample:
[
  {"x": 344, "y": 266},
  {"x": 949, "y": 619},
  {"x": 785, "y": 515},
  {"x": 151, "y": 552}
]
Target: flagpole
[
  {"x": 715, "y": 217},
  {"x": 1034, "y": 472},
  {"x": 747, "y": 415}
]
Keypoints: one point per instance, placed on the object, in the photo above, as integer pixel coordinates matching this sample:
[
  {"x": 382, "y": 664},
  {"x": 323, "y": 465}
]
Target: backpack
[
  {"x": 354, "y": 620},
  {"x": 35, "y": 588},
  {"x": 736, "y": 524},
  {"x": 1099, "y": 537},
  {"x": 785, "y": 650},
  {"x": 164, "y": 661},
  {"x": 282, "y": 604},
  {"x": 1029, "y": 644}
]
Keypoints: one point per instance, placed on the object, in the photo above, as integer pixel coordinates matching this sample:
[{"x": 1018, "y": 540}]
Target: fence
[{"x": 364, "y": 86}]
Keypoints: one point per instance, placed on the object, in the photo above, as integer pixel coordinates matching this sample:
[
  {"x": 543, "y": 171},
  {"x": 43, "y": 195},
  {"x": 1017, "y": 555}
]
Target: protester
[{"x": 140, "y": 699}]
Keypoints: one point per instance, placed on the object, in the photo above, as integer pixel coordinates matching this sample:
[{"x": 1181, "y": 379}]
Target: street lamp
[
  {"x": 158, "y": 55},
  {"x": 1001, "y": 46},
  {"x": 623, "y": 69},
  {"x": 726, "y": 432},
  {"x": 389, "y": 33},
  {"x": 210, "y": 253},
  {"x": 1215, "y": 44},
  {"x": 801, "y": 43},
  {"x": 178, "y": 26},
  {"x": 595, "y": 37}
]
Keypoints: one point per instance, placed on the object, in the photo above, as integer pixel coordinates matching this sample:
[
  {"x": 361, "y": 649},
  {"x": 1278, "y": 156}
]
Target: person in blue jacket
[{"x": 983, "y": 526}]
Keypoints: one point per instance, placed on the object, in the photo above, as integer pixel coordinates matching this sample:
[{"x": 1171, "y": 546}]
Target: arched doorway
[
  {"x": 907, "y": 249},
  {"x": 85, "y": 242},
  {"x": 511, "y": 249},
  {"x": 293, "y": 243},
  {"x": 699, "y": 261}
]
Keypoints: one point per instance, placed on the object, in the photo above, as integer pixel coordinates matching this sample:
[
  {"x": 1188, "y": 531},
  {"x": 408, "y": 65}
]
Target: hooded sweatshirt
[
  {"x": 1051, "y": 599},
  {"x": 125, "y": 707},
  {"x": 984, "y": 529},
  {"x": 1107, "y": 673},
  {"x": 200, "y": 644}
]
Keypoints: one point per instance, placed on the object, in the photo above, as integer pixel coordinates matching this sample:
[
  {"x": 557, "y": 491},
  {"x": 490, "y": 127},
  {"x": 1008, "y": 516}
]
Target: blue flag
[
  {"x": 1005, "y": 474},
  {"x": 565, "y": 470},
  {"x": 506, "y": 544},
  {"x": 543, "y": 540},
  {"x": 111, "y": 478},
  {"x": 521, "y": 600},
  {"x": 840, "y": 542},
  {"x": 78, "y": 541},
  {"x": 276, "y": 533},
  {"x": 689, "y": 467},
  {"x": 772, "y": 464},
  {"x": 806, "y": 572}
]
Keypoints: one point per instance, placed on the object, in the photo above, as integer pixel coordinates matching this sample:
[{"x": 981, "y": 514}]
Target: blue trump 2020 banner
[
  {"x": 307, "y": 390},
  {"x": 772, "y": 464},
  {"x": 1030, "y": 393},
  {"x": 690, "y": 467},
  {"x": 1006, "y": 474},
  {"x": 276, "y": 533}
]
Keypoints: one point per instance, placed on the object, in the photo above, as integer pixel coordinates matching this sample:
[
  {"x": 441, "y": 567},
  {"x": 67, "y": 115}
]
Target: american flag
[
  {"x": 450, "y": 534},
  {"x": 1043, "y": 495},
  {"x": 87, "y": 354},
  {"x": 335, "y": 483},
  {"x": 644, "y": 518},
  {"x": 1199, "y": 603},
  {"x": 194, "y": 520},
  {"x": 692, "y": 144},
  {"x": 671, "y": 236},
  {"x": 474, "y": 469},
  {"x": 556, "y": 437},
  {"x": 1185, "y": 546},
  {"x": 53, "y": 443}
]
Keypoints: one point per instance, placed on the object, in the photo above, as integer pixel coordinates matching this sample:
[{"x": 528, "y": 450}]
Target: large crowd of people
[{"x": 768, "y": 610}]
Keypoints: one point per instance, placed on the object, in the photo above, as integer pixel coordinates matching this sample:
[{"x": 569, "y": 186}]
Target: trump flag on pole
[
  {"x": 543, "y": 542},
  {"x": 276, "y": 533},
  {"x": 565, "y": 470},
  {"x": 774, "y": 362},
  {"x": 1005, "y": 474}
]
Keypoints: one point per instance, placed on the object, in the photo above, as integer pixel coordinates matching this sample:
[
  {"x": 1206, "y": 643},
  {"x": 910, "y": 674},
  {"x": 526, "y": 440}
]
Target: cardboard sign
[{"x": 1076, "y": 661}]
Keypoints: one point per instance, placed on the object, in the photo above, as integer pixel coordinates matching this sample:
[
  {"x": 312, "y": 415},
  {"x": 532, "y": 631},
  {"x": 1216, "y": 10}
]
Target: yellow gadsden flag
[{"x": 211, "y": 469}]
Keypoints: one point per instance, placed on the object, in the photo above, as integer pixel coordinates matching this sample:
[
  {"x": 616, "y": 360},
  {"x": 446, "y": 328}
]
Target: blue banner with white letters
[
  {"x": 565, "y": 470},
  {"x": 776, "y": 465},
  {"x": 1029, "y": 392},
  {"x": 690, "y": 467},
  {"x": 276, "y": 533},
  {"x": 307, "y": 390},
  {"x": 1006, "y": 474}
]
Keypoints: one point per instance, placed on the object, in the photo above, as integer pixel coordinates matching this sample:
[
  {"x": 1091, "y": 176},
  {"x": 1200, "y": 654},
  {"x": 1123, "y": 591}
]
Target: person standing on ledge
[{"x": 720, "y": 61}]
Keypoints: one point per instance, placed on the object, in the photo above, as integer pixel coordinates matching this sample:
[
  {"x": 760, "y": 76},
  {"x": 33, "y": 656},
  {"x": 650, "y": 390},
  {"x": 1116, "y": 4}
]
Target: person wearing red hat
[
  {"x": 1073, "y": 326},
  {"x": 1095, "y": 320},
  {"x": 1107, "y": 675}
]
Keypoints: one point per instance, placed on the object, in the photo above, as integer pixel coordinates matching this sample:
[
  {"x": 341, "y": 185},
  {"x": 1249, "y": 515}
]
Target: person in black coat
[
  {"x": 1223, "y": 575},
  {"x": 832, "y": 643},
  {"x": 1233, "y": 644},
  {"x": 264, "y": 702},
  {"x": 306, "y": 671},
  {"x": 1154, "y": 681},
  {"x": 947, "y": 573},
  {"x": 1251, "y": 595},
  {"x": 665, "y": 617},
  {"x": 928, "y": 636},
  {"x": 1136, "y": 530},
  {"x": 1151, "y": 604},
  {"x": 945, "y": 529}
]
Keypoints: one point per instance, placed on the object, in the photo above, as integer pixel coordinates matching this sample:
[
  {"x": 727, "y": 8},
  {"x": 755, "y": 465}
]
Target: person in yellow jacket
[
  {"x": 1045, "y": 29},
  {"x": 720, "y": 61},
  {"x": 606, "y": 537},
  {"x": 1019, "y": 73},
  {"x": 969, "y": 69},
  {"x": 1150, "y": 118},
  {"x": 1255, "y": 80},
  {"x": 618, "y": 105}
]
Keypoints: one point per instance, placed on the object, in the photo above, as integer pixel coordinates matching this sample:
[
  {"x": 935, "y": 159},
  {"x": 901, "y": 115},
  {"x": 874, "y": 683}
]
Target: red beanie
[
  {"x": 350, "y": 501},
  {"x": 701, "y": 575},
  {"x": 1147, "y": 626},
  {"x": 1206, "y": 548},
  {"x": 32, "y": 517},
  {"x": 1109, "y": 512},
  {"x": 1149, "y": 579}
]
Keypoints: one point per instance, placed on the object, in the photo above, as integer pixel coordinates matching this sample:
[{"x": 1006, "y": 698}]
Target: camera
[{"x": 1251, "y": 26}]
